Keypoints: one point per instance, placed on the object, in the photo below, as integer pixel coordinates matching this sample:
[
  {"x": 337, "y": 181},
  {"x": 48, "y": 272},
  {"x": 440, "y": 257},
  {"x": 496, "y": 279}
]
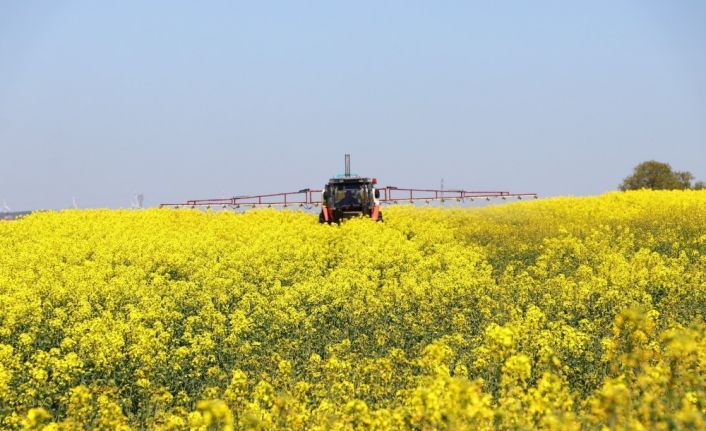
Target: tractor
[{"x": 345, "y": 196}]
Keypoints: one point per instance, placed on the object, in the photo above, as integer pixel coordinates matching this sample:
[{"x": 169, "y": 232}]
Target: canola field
[{"x": 564, "y": 314}]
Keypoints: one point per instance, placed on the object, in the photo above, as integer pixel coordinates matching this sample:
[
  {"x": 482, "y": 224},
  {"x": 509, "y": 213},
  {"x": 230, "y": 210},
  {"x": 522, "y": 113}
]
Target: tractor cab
[{"x": 347, "y": 196}]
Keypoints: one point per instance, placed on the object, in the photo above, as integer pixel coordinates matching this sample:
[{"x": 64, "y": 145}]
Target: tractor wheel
[{"x": 322, "y": 220}]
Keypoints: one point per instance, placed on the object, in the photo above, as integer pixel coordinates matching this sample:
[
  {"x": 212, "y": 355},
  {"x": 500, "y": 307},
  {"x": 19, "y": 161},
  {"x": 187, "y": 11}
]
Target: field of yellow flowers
[{"x": 564, "y": 313}]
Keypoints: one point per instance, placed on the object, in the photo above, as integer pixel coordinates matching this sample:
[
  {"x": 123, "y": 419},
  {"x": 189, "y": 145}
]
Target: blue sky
[{"x": 181, "y": 100}]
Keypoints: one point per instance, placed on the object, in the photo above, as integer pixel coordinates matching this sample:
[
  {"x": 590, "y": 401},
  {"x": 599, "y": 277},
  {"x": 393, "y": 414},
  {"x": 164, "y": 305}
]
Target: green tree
[{"x": 658, "y": 176}]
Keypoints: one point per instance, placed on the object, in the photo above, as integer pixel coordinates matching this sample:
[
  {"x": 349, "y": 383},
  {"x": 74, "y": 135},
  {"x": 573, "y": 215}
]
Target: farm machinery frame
[{"x": 346, "y": 196}]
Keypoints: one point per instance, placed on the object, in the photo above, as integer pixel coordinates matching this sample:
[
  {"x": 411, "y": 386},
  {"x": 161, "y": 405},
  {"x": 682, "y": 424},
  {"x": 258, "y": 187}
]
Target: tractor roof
[{"x": 349, "y": 180}]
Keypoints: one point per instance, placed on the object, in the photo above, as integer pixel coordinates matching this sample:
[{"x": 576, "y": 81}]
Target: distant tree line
[{"x": 660, "y": 176}]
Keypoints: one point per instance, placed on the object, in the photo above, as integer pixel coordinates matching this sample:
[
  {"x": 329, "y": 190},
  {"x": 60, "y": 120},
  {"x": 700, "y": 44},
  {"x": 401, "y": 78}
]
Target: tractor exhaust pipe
[{"x": 348, "y": 165}]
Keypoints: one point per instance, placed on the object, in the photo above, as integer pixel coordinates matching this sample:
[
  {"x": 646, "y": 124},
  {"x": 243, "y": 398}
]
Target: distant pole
[{"x": 442, "y": 184}]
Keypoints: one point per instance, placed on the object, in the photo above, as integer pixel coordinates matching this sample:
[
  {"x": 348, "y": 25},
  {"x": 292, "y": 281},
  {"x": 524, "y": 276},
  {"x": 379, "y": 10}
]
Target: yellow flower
[{"x": 562, "y": 313}]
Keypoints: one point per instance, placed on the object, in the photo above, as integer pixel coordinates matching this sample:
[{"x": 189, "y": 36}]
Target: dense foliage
[
  {"x": 656, "y": 175},
  {"x": 563, "y": 313}
]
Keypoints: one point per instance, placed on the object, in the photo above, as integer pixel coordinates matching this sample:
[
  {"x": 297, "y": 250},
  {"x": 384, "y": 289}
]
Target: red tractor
[
  {"x": 346, "y": 196},
  {"x": 349, "y": 196}
]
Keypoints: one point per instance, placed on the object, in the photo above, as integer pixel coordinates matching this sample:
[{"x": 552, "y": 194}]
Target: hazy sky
[{"x": 181, "y": 100}]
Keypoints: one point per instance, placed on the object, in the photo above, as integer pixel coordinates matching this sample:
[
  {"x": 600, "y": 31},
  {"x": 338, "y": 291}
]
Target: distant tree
[
  {"x": 700, "y": 185},
  {"x": 658, "y": 176}
]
